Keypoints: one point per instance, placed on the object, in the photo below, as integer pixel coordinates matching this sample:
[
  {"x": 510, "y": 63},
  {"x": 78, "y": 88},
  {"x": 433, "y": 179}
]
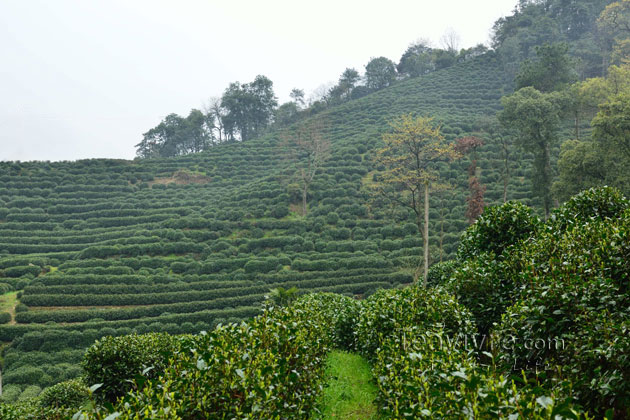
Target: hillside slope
[{"x": 108, "y": 247}]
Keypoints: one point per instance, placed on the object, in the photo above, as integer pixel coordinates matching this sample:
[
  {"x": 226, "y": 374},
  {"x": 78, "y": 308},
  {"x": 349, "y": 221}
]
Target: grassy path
[
  {"x": 8, "y": 303},
  {"x": 349, "y": 392}
]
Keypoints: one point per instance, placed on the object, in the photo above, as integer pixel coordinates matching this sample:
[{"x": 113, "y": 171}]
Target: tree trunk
[
  {"x": 547, "y": 181},
  {"x": 304, "y": 192},
  {"x": 441, "y": 230},
  {"x": 577, "y": 125},
  {"x": 506, "y": 170},
  {"x": 426, "y": 233},
  {"x": 505, "y": 184}
]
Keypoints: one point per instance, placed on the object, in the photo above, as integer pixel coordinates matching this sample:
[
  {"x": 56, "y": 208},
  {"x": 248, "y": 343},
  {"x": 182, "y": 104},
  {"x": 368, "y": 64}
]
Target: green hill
[{"x": 107, "y": 247}]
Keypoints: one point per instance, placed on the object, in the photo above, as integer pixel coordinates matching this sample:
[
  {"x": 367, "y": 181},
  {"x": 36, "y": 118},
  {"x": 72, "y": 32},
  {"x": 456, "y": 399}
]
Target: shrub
[
  {"x": 387, "y": 312},
  {"x": 576, "y": 328},
  {"x": 29, "y": 392},
  {"x": 422, "y": 374},
  {"x": 332, "y": 218},
  {"x": 115, "y": 361},
  {"x": 340, "y": 312},
  {"x": 5, "y": 317},
  {"x": 10, "y": 393},
  {"x": 267, "y": 368},
  {"x": 496, "y": 229},
  {"x": 70, "y": 394},
  {"x": 19, "y": 271},
  {"x": 486, "y": 285},
  {"x": 576, "y": 292},
  {"x": 20, "y": 307},
  {"x": 590, "y": 205},
  {"x": 441, "y": 272}
]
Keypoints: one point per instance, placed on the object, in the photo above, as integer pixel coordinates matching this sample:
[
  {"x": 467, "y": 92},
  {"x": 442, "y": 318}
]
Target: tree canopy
[
  {"x": 536, "y": 118},
  {"x": 249, "y": 107},
  {"x": 553, "y": 69},
  {"x": 379, "y": 73},
  {"x": 412, "y": 148},
  {"x": 176, "y": 135}
]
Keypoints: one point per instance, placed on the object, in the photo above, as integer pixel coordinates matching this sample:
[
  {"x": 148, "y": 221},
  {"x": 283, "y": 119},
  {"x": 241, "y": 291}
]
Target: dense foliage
[
  {"x": 556, "y": 299},
  {"x": 269, "y": 367}
]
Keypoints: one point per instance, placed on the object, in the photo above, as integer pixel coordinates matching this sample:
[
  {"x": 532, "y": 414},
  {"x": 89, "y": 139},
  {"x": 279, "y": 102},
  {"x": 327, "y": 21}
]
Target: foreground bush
[
  {"x": 32, "y": 410},
  {"x": 496, "y": 229},
  {"x": 440, "y": 273},
  {"x": 387, "y": 312},
  {"x": 572, "y": 320},
  {"x": 485, "y": 280},
  {"x": 69, "y": 394},
  {"x": 486, "y": 287},
  {"x": 268, "y": 368},
  {"x": 115, "y": 361},
  {"x": 424, "y": 374}
]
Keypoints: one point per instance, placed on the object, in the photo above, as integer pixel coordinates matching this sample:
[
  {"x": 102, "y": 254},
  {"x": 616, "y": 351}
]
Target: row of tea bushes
[{"x": 270, "y": 367}]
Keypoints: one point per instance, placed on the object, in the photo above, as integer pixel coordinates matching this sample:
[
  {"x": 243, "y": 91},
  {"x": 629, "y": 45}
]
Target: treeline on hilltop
[{"x": 247, "y": 110}]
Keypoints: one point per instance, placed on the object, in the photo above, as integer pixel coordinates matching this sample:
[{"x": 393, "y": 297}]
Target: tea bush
[
  {"x": 571, "y": 316},
  {"x": 69, "y": 394},
  {"x": 115, "y": 361},
  {"x": 423, "y": 374},
  {"x": 269, "y": 367},
  {"x": 484, "y": 285},
  {"x": 387, "y": 312},
  {"x": 440, "y": 273},
  {"x": 496, "y": 229}
]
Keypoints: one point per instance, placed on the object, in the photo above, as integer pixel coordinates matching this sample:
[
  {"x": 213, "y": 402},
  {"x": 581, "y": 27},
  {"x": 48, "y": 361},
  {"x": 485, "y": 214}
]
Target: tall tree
[
  {"x": 450, "y": 40},
  {"x": 499, "y": 135},
  {"x": 536, "y": 117},
  {"x": 197, "y": 132},
  {"x": 249, "y": 107},
  {"x": 417, "y": 60},
  {"x": 348, "y": 80},
  {"x": 603, "y": 158},
  {"x": 408, "y": 160},
  {"x": 297, "y": 96},
  {"x": 215, "y": 115},
  {"x": 614, "y": 20},
  {"x": 286, "y": 114},
  {"x": 176, "y": 135},
  {"x": 163, "y": 140},
  {"x": 309, "y": 150},
  {"x": 379, "y": 73},
  {"x": 552, "y": 69},
  {"x": 612, "y": 124},
  {"x": 468, "y": 146}
]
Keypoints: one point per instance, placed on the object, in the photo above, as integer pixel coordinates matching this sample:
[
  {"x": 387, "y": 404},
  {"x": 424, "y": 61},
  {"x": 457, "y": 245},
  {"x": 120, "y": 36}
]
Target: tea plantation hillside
[
  {"x": 109, "y": 247},
  {"x": 530, "y": 321}
]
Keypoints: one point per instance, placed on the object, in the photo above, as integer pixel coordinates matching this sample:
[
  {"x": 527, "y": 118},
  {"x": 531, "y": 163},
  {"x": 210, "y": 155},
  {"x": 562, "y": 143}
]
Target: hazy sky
[{"x": 84, "y": 79}]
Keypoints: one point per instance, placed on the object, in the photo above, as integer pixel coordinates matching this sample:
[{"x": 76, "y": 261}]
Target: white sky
[{"x": 85, "y": 78}]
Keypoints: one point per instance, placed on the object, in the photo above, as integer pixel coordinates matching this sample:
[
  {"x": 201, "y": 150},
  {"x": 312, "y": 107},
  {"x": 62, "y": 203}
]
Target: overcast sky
[{"x": 84, "y": 79}]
